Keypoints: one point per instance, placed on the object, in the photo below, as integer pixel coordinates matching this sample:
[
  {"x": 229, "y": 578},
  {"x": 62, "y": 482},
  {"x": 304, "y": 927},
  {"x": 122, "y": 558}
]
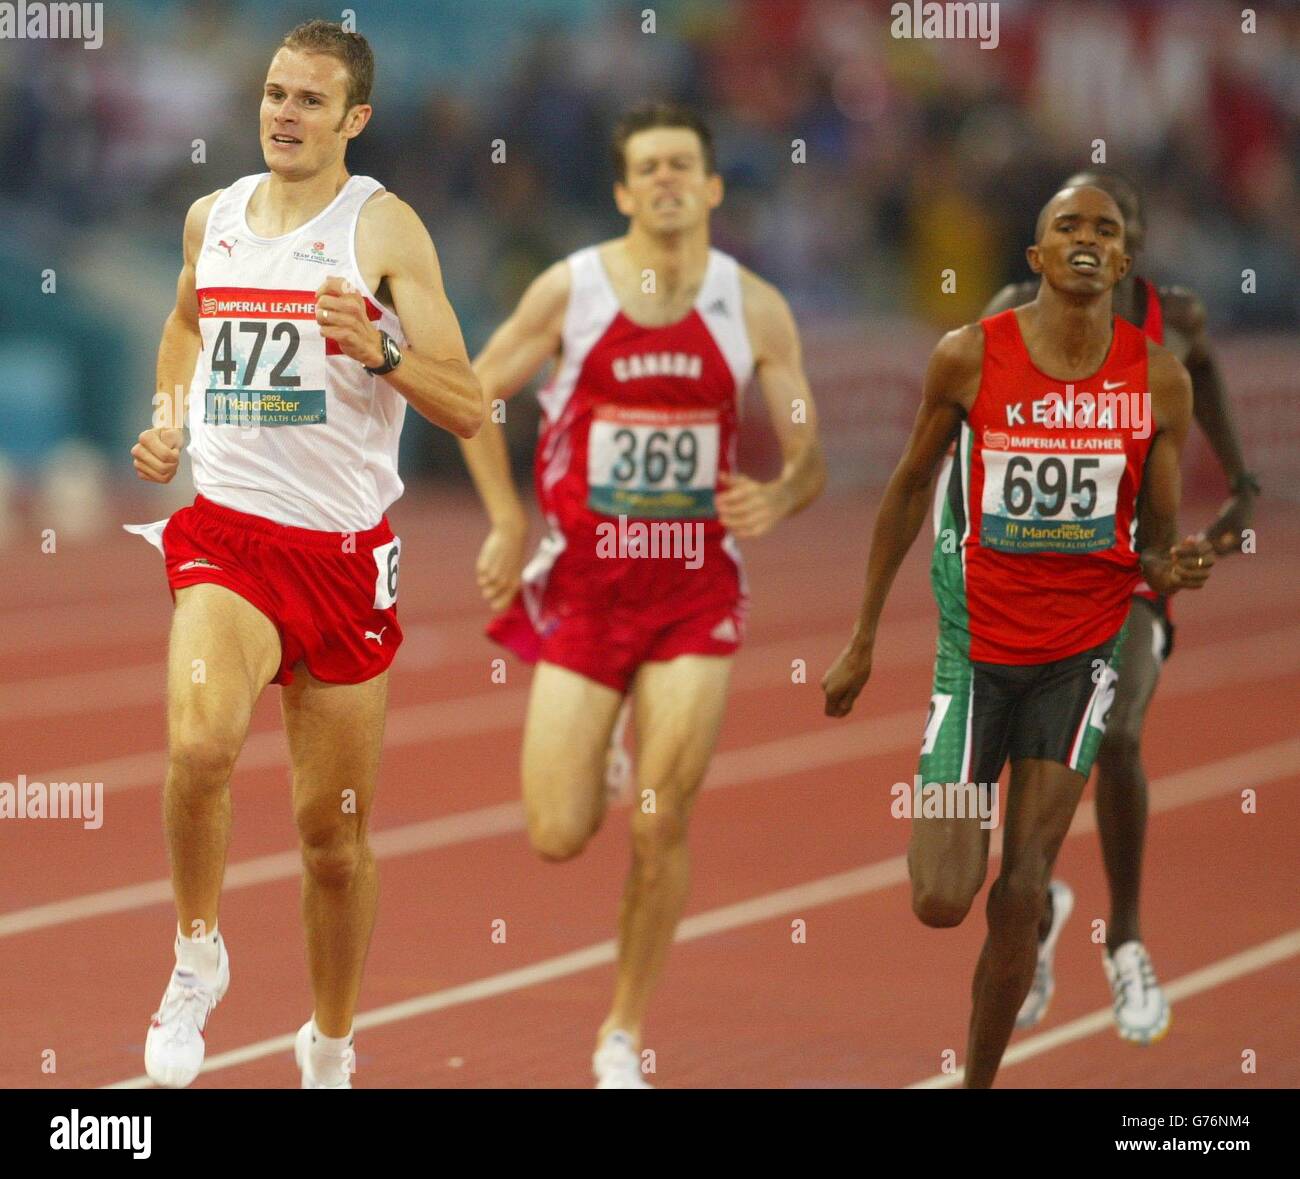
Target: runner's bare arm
[
  {"x": 435, "y": 375},
  {"x": 745, "y": 506},
  {"x": 1212, "y": 410},
  {"x": 157, "y": 452},
  {"x": 513, "y": 356},
  {"x": 951, "y": 383},
  {"x": 1168, "y": 566}
]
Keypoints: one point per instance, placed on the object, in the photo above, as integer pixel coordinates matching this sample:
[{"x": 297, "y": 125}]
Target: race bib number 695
[
  {"x": 1049, "y": 503},
  {"x": 652, "y": 463}
]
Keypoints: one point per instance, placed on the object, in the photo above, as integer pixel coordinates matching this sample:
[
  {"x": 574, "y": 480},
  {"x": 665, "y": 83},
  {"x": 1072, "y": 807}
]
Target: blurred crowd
[{"x": 859, "y": 166}]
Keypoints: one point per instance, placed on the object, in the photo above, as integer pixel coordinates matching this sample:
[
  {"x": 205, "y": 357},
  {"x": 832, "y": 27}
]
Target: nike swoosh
[{"x": 1111, "y": 384}]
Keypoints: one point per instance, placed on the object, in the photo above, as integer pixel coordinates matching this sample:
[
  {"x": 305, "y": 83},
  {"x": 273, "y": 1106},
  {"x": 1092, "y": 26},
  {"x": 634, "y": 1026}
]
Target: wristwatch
[{"x": 392, "y": 355}]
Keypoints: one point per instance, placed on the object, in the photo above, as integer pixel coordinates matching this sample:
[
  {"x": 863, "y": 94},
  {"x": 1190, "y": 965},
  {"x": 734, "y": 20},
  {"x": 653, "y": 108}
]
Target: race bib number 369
[
  {"x": 651, "y": 463},
  {"x": 1049, "y": 503}
]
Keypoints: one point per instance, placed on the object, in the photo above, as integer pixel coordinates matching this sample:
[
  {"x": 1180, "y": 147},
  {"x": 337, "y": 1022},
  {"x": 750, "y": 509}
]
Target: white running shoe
[
  {"x": 174, "y": 1047},
  {"x": 1142, "y": 1013},
  {"x": 1041, "y": 990},
  {"x": 302, "y": 1054},
  {"x": 616, "y": 1064}
]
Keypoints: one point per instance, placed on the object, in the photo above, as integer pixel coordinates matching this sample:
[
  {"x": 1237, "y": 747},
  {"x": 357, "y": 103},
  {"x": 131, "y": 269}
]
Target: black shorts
[{"x": 982, "y": 714}]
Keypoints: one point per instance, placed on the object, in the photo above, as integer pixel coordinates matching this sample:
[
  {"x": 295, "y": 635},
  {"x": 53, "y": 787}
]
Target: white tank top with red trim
[{"x": 282, "y": 424}]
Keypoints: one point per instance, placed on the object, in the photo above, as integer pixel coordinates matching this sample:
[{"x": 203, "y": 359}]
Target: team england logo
[{"x": 314, "y": 252}]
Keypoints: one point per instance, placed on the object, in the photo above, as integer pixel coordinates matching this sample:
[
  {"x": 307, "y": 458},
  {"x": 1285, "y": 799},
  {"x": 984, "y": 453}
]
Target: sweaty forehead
[
  {"x": 298, "y": 69},
  {"x": 1086, "y": 201},
  {"x": 661, "y": 141}
]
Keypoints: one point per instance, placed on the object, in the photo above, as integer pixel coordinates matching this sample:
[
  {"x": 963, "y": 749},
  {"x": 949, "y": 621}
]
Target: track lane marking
[{"x": 1199, "y": 783}]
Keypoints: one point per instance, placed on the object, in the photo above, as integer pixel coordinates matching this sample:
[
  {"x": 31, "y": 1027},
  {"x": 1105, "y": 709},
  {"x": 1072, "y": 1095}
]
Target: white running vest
[{"x": 282, "y": 424}]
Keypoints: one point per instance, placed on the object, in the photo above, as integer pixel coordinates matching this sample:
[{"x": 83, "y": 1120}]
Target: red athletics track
[{"x": 795, "y": 825}]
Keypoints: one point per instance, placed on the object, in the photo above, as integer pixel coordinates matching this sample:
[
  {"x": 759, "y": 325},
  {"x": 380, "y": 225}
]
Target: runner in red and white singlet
[
  {"x": 1175, "y": 318},
  {"x": 640, "y": 424},
  {"x": 636, "y": 591},
  {"x": 309, "y": 312},
  {"x": 1062, "y": 412}
]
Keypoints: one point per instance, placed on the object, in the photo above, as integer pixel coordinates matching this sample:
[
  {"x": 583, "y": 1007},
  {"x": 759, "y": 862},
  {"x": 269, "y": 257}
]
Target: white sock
[
  {"x": 200, "y": 954},
  {"x": 332, "y": 1058}
]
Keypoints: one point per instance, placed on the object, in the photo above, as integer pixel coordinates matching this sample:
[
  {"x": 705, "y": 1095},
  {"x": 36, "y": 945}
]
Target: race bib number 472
[
  {"x": 652, "y": 463},
  {"x": 1049, "y": 503},
  {"x": 266, "y": 359}
]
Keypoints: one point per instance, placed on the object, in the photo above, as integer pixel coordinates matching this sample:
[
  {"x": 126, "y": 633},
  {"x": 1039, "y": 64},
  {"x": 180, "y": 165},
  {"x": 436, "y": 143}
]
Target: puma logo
[
  {"x": 227, "y": 246},
  {"x": 379, "y": 638}
]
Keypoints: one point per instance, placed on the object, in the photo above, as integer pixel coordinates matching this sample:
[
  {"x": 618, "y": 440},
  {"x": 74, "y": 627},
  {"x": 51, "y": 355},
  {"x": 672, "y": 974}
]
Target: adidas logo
[{"x": 726, "y": 631}]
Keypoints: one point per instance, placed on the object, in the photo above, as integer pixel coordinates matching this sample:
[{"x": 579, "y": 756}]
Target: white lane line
[
  {"x": 106, "y": 689},
  {"x": 1224, "y": 663},
  {"x": 749, "y": 912},
  {"x": 495, "y": 711},
  {"x": 1206, "y": 979},
  {"x": 770, "y": 759},
  {"x": 733, "y": 767},
  {"x": 1193, "y": 785}
]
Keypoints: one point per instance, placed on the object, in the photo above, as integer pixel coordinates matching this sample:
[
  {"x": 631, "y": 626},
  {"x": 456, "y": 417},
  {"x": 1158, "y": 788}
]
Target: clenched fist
[
  {"x": 157, "y": 454},
  {"x": 341, "y": 313}
]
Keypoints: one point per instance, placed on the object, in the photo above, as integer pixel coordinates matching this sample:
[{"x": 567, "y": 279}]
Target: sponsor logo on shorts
[
  {"x": 53, "y": 800},
  {"x": 726, "y": 631},
  {"x": 953, "y": 800},
  {"x": 669, "y": 540},
  {"x": 377, "y": 636},
  {"x": 198, "y": 563}
]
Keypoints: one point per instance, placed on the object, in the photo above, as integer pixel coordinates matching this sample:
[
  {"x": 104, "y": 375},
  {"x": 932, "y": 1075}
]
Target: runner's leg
[
  {"x": 335, "y": 735},
  {"x": 1121, "y": 779},
  {"x": 223, "y": 651},
  {"x": 679, "y": 709},
  {"x": 566, "y": 739},
  {"x": 1041, "y": 803}
]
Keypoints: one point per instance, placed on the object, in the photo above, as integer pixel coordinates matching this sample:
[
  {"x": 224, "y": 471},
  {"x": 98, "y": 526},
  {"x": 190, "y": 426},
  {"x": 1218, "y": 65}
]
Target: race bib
[
  {"x": 263, "y": 373},
  {"x": 651, "y": 463},
  {"x": 1049, "y": 503},
  {"x": 387, "y": 558}
]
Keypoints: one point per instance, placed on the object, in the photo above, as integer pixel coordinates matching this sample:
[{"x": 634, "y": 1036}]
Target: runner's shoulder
[
  {"x": 956, "y": 367},
  {"x": 545, "y": 302},
  {"x": 389, "y": 222},
  {"x": 196, "y": 222},
  {"x": 767, "y": 312},
  {"x": 961, "y": 351}
]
